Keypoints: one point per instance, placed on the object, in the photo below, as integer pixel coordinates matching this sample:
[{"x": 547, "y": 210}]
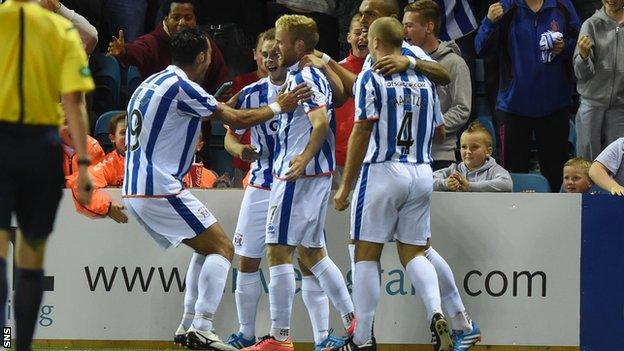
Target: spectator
[
  {"x": 126, "y": 15},
  {"x": 239, "y": 82},
  {"x": 106, "y": 173},
  {"x": 598, "y": 67},
  {"x": 478, "y": 170},
  {"x": 535, "y": 91},
  {"x": 576, "y": 176},
  {"x": 70, "y": 157},
  {"x": 421, "y": 22},
  {"x": 607, "y": 171},
  {"x": 88, "y": 33},
  {"x": 345, "y": 113},
  {"x": 151, "y": 53}
]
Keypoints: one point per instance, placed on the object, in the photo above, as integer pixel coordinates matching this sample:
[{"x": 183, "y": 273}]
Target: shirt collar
[
  {"x": 178, "y": 71},
  {"x": 294, "y": 68}
]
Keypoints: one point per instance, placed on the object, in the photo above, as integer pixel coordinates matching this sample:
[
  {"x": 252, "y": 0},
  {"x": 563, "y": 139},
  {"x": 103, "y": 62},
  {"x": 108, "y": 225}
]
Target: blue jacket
[{"x": 529, "y": 87}]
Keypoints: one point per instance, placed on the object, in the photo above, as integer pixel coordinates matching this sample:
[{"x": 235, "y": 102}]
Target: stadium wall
[{"x": 516, "y": 260}]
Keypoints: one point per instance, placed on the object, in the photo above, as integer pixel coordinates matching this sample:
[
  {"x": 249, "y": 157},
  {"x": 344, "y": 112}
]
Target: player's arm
[
  {"x": 356, "y": 151},
  {"x": 600, "y": 175},
  {"x": 433, "y": 70},
  {"x": 237, "y": 149},
  {"x": 319, "y": 118},
  {"x": 338, "y": 88},
  {"x": 240, "y": 119}
]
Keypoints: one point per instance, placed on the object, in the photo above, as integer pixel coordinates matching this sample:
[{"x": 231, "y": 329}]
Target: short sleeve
[
  {"x": 194, "y": 101},
  {"x": 415, "y": 52},
  {"x": 367, "y": 97},
  {"x": 611, "y": 156},
  {"x": 318, "y": 87},
  {"x": 75, "y": 73}
]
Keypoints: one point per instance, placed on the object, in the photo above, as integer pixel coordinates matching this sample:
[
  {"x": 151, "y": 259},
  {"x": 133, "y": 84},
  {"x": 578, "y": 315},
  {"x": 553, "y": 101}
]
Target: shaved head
[{"x": 374, "y": 9}]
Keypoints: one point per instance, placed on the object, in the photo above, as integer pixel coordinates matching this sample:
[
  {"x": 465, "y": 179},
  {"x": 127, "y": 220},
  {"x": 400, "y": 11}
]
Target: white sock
[
  {"x": 247, "y": 294},
  {"x": 190, "y": 289},
  {"x": 281, "y": 295},
  {"x": 332, "y": 282},
  {"x": 317, "y": 304},
  {"x": 365, "y": 297},
  {"x": 212, "y": 279},
  {"x": 451, "y": 300},
  {"x": 351, "y": 248},
  {"x": 425, "y": 281}
]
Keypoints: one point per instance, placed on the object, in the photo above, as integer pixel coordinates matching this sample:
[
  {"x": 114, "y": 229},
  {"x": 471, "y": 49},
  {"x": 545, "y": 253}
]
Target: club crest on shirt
[{"x": 203, "y": 213}]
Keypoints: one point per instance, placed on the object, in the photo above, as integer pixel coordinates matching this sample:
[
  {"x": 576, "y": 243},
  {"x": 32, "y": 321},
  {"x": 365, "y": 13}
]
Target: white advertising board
[{"x": 515, "y": 259}]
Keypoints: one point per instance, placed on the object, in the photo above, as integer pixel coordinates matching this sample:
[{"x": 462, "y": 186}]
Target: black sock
[
  {"x": 28, "y": 294},
  {"x": 4, "y": 288}
]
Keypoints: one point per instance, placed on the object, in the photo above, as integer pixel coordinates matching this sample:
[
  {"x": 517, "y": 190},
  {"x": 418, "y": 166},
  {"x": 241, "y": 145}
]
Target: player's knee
[
  {"x": 248, "y": 264},
  {"x": 227, "y": 250}
]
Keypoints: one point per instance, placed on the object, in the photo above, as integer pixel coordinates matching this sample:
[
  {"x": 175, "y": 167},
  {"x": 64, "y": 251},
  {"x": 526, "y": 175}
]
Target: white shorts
[
  {"x": 250, "y": 231},
  {"x": 297, "y": 212},
  {"x": 172, "y": 219},
  {"x": 392, "y": 201}
]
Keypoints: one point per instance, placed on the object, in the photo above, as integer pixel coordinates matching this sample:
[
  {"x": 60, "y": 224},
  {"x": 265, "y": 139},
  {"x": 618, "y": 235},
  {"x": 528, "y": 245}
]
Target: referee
[{"x": 42, "y": 63}]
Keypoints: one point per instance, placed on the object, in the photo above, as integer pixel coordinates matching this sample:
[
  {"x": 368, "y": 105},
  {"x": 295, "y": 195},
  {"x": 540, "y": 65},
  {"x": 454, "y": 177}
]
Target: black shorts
[{"x": 31, "y": 178}]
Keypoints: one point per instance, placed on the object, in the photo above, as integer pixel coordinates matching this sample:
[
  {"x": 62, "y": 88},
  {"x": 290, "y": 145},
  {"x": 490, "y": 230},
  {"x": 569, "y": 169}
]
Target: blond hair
[
  {"x": 476, "y": 127},
  {"x": 580, "y": 163},
  {"x": 299, "y": 28},
  {"x": 388, "y": 30}
]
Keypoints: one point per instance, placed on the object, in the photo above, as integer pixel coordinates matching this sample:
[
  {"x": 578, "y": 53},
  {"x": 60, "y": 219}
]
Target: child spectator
[
  {"x": 576, "y": 176},
  {"x": 607, "y": 171},
  {"x": 478, "y": 170},
  {"x": 70, "y": 161}
]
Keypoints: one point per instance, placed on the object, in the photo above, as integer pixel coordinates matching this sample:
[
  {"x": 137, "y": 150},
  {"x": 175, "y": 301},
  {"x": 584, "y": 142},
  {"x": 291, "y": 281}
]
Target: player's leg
[
  {"x": 247, "y": 295},
  {"x": 466, "y": 332},
  {"x": 190, "y": 297},
  {"x": 413, "y": 231},
  {"x": 214, "y": 244},
  {"x": 317, "y": 304},
  {"x": 366, "y": 289}
]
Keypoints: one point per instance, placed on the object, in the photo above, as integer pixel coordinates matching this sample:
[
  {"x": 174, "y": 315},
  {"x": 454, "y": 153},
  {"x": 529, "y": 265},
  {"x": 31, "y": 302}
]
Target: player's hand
[
  {"x": 312, "y": 60},
  {"x": 558, "y": 46},
  {"x": 464, "y": 184},
  {"x": 391, "y": 64},
  {"x": 317, "y": 53},
  {"x": 117, "y": 46},
  {"x": 452, "y": 183},
  {"x": 439, "y": 134},
  {"x": 116, "y": 213},
  {"x": 617, "y": 190},
  {"x": 495, "y": 12},
  {"x": 50, "y": 5},
  {"x": 85, "y": 187},
  {"x": 341, "y": 198},
  {"x": 289, "y": 101},
  {"x": 297, "y": 167},
  {"x": 247, "y": 153},
  {"x": 225, "y": 96},
  {"x": 585, "y": 44}
]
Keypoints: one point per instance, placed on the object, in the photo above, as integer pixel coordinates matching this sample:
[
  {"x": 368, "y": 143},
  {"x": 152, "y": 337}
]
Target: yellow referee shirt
[{"x": 41, "y": 58}]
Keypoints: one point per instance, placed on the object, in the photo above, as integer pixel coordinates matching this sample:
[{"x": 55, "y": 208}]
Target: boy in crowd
[
  {"x": 478, "y": 170},
  {"x": 576, "y": 175},
  {"x": 607, "y": 171}
]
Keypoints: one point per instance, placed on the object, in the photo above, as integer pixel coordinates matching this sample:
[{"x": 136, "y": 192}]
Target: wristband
[
  {"x": 276, "y": 108},
  {"x": 326, "y": 58},
  {"x": 412, "y": 63},
  {"x": 83, "y": 162}
]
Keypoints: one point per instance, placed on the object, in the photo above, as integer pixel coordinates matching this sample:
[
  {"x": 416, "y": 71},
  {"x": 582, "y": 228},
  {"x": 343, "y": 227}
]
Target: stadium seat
[
  {"x": 107, "y": 77},
  {"x": 529, "y": 183},
  {"x": 133, "y": 80},
  {"x": 101, "y": 129}
]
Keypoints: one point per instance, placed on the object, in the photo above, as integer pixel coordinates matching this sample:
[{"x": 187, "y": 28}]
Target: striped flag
[{"x": 458, "y": 19}]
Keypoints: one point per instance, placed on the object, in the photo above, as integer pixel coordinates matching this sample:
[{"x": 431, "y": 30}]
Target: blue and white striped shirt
[
  {"x": 295, "y": 127},
  {"x": 263, "y": 136},
  {"x": 406, "y": 50},
  {"x": 164, "y": 116},
  {"x": 457, "y": 19},
  {"x": 406, "y": 110}
]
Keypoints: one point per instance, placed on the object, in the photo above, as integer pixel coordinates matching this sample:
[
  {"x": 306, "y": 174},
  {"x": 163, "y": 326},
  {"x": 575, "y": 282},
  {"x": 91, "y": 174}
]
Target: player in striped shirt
[
  {"x": 164, "y": 121},
  {"x": 249, "y": 237},
  {"x": 396, "y": 119},
  {"x": 301, "y": 186}
]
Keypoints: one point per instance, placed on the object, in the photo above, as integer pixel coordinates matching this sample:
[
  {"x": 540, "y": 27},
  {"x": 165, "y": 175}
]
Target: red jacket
[
  {"x": 346, "y": 112},
  {"x": 238, "y": 83},
  {"x": 151, "y": 53}
]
